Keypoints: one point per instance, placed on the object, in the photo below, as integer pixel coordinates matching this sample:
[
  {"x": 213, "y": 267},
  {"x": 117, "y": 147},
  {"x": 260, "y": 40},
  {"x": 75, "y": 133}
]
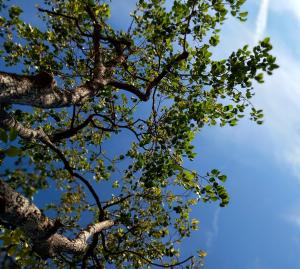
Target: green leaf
[
  {"x": 169, "y": 96},
  {"x": 13, "y": 134},
  {"x": 243, "y": 14},
  {"x": 14, "y": 11},
  {"x": 260, "y": 78},
  {"x": 222, "y": 178},
  {"x": 214, "y": 40},
  {"x": 116, "y": 184},
  {"x": 215, "y": 172},
  {"x": 3, "y": 136},
  {"x": 12, "y": 151}
]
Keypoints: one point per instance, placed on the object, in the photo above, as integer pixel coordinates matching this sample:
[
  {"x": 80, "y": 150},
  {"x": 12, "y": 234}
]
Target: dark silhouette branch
[{"x": 144, "y": 96}]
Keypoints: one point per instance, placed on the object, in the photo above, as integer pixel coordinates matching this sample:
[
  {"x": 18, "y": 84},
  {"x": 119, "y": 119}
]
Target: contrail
[
  {"x": 262, "y": 19},
  {"x": 213, "y": 234}
]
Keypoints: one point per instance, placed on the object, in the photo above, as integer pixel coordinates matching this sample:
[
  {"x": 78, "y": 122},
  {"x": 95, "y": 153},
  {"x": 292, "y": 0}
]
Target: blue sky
[{"x": 260, "y": 229}]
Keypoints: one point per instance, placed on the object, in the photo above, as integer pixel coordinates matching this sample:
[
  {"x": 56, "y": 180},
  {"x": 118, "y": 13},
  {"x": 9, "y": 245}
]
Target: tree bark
[
  {"x": 47, "y": 242},
  {"x": 41, "y": 91},
  {"x": 7, "y": 121}
]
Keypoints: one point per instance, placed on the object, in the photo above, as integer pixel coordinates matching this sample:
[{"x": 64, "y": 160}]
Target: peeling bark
[
  {"x": 42, "y": 231},
  {"x": 41, "y": 91}
]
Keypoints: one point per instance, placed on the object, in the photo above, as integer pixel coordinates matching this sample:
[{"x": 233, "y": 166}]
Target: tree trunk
[
  {"x": 41, "y": 91},
  {"x": 18, "y": 211}
]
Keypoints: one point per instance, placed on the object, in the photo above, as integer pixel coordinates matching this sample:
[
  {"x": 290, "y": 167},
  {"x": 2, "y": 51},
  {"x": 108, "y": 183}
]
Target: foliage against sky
[{"x": 154, "y": 85}]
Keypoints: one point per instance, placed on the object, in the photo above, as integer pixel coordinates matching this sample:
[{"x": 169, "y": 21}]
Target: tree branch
[
  {"x": 144, "y": 96},
  {"x": 58, "y": 136},
  {"x": 53, "y": 13},
  {"x": 41, "y": 91},
  {"x": 41, "y": 230},
  {"x": 7, "y": 121}
]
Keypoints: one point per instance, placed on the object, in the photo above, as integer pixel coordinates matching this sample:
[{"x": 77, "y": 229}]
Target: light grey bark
[
  {"x": 17, "y": 210},
  {"x": 7, "y": 121},
  {"x": 41, "y": 91}
]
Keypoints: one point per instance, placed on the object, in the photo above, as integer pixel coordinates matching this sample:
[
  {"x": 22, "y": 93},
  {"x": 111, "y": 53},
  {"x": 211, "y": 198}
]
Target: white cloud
[
  {"x": 293, "y": 157},
  {"x": 293, "y": 219},
  {"x": 213, "y": 233},
  {"x": 279, "y": 97},
  {"x": 280, "y": 102},
  {"x": 262, "y": 19},
  {"x": 290, "y": 6}
]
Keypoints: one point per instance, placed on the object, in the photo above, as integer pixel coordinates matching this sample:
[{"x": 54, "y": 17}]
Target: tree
[{"x": 73, "y": 88}]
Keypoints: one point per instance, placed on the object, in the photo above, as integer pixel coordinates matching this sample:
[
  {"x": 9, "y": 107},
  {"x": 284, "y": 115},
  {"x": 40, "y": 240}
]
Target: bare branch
[
  {"x": 58, "y": 136},
  {"x": 144, "y": 96}
]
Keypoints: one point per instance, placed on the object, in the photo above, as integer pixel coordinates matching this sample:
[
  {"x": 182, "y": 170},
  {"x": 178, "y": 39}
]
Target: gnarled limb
[
  {"x": 7, "y": 121},
  {"x": 42, "y": 231},
  {"x": 41, "y": 91}
]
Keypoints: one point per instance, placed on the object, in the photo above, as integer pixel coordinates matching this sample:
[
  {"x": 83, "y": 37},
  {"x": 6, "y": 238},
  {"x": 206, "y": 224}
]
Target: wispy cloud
[
  {"x": 293, "y": 157},
  {"x": 279, "y": 96},
  {"x": 281, "y": 92},
  {"x": 257, "y": 264},
  {"x": 290, "y": 6},
  {"x": 262, "y": 19},
  {"x": 281, "y": 105},
  {"x": 293, "y": 219},
  {"x": 213, "y": 233}
]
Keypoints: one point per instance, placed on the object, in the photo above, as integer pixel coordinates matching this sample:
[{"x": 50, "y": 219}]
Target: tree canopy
[{"x": 102, "y": 120}]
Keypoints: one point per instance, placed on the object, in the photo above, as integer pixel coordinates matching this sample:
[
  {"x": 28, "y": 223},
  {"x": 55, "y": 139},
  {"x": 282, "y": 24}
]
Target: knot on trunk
[{"x": 43, "y": 80}]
